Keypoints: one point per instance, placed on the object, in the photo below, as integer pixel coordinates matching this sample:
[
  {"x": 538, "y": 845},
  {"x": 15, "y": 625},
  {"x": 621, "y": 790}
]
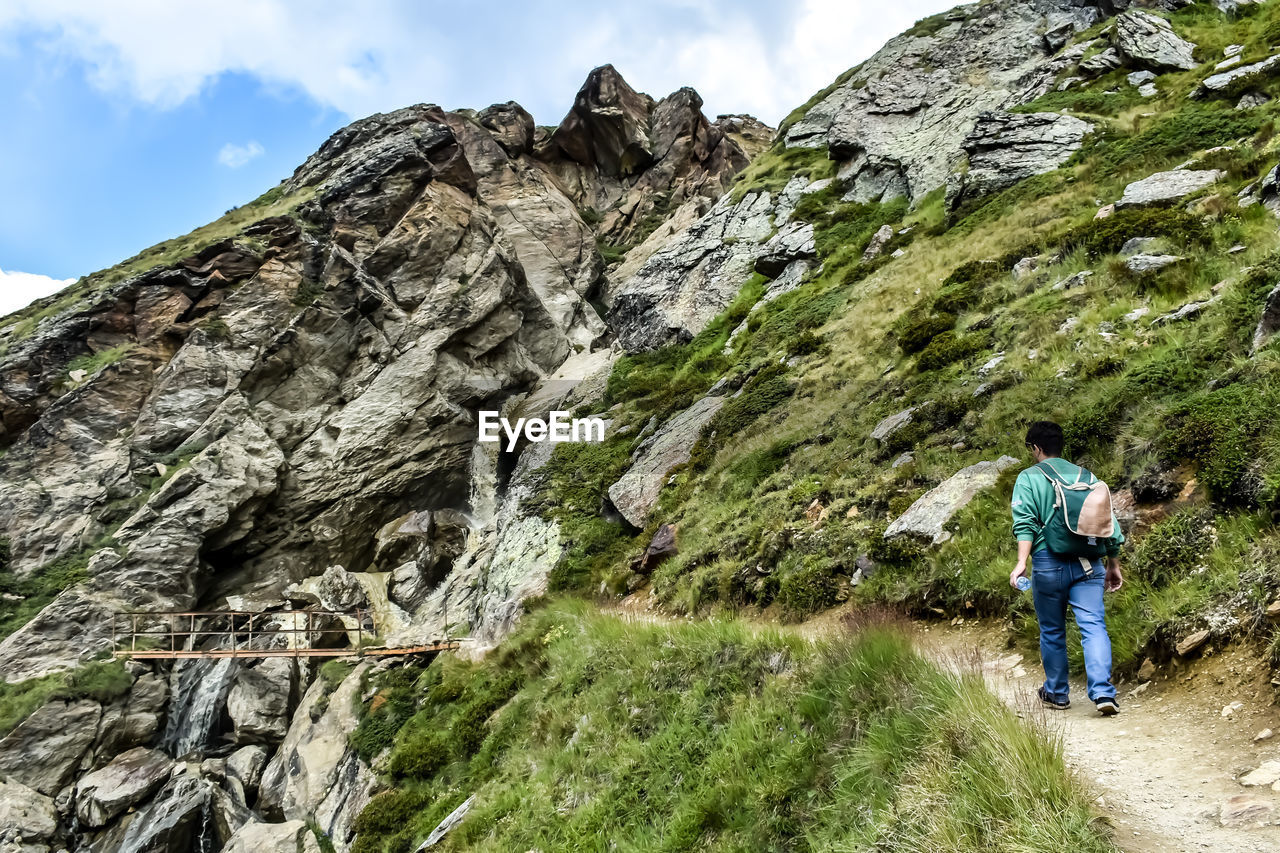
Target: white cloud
[
  {"x": 364, "y": 57},
  {"x": 18, "y": 289},
  {"x": 234, "y": 156}
]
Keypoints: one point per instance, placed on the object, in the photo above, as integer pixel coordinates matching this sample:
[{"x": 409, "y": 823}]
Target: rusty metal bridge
[{"x": 170, "y": 635}]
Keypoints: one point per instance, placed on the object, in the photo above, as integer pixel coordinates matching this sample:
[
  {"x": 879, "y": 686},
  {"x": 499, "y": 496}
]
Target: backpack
[{"x": 1082, "y": 520}]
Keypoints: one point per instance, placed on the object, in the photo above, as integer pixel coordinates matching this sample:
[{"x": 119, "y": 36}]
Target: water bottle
[{"x": 1023, "y": 583}]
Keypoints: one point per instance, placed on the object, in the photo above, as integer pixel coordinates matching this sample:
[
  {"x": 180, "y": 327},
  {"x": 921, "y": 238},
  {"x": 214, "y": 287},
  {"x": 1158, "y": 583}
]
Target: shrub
[
  {"x": 1192, "y": 128},
  {"x": 381, "y": 719},
  {"x": 1100, "y": 237},
  {"x": 420, "y": 755},
  {"x": 916, "y": 329},
  {"x": 898, "y": 551},
  {"x": 1172, "y": 548},
  {"x": 845, "y": 225},
  {"x": 21, "y": 598},
  {"x": 390, "y": 811},
  {"x": 763, "y": 392},
  {"x": 809, "y": 587},
  {"x": 948, "y": 348},
  {"x": 1219, "y": 431}
]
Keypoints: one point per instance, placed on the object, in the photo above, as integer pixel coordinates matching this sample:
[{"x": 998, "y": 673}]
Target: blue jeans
[{"x": 1057, "y": 581}]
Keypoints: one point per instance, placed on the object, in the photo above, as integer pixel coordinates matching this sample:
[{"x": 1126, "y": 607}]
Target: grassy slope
[
  {"x": 587, "y": 733},
  {"x": 1137, "y": 400}
]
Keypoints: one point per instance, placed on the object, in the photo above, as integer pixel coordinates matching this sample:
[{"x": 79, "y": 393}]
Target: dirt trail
[{"x": 1166, "y": 768}]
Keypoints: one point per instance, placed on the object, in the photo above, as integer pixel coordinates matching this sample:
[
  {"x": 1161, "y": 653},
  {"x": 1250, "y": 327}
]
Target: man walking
[{"x": 1066, "y": 563}]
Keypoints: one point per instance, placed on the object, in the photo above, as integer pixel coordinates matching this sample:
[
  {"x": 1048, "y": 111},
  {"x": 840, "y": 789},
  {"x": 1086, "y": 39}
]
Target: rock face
[
  {"x": 927, "y": 517},
  {"x": 1148, "y": 40},
  {"x": 1236, "y": 78},
  {"x": 900, "y": 119},
  {"x": 637, "y": 492},
  {"x": 428, "y": 264},
  {"x": 315, "y": 774},
  {"x": 26, "y": 816},
  {"x": 292, "y": 836},
  {"x": 1004, "y": 148},
  {"x": 1165, "y": 187},
  {"x": 45, "y": 750}
]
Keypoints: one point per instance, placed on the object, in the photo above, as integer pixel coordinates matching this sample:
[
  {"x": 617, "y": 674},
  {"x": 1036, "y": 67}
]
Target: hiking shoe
[
  {"x": 1109, "y": 706},
  {"x": 1051, "y": 702}
]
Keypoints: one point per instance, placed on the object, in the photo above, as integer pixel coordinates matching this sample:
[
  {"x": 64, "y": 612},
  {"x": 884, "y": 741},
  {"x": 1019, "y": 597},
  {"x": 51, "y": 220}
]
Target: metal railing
[{"x": 144, "y": 634}]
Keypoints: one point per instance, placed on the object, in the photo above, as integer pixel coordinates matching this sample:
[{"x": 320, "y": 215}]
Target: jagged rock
[
  {"x": 1074, "y": 281},
  {"x": 314, "y": 773},
  {"x": 1025, "y": 268},
  {"x": 1236, "y": 79},
  {"x": 878, "y": 241},
  {"x": 129, "y": 779},
  {"x": 1252, "y": 100},
  {"x": 1137, "y": 246},
  {"x": 900, "y": 120},
  {"x": 174, "y": 820},
  {"x": 45, "y": 750},
  {"x": 886, "y": 428},
  {"x": 1148, "y": 40},
  {"x": 1270, "y": 322},
  {"x": 1191, "y": 642},
  {"x": 292, "y": 836},
  {"x": 1164, "y": 187},
  {"x": 1005, "y": 148},
  {"x": 1266, "y": 774},
  {"x": 1187, "y": 312},
  {"x": 451, "y": 820},
  {"x": 246, "y": 765},
  {"x": 793, "y": 242},
  {"x": 927, "y": 517},
  {"x": 684, "y": 285},
  {"x": 636, "y": 493},
  {"x": 511, "y": 126},
  {"x": 1147, "y": 671},
  {"x": 259, "y": 701},
  {"x": 1139, "y": 78},
  {"x": 661, "y": 548},
  {"x": 1102, "y": 62},
  {"x": 1147, "y": 264},
  {"x": 26, "y": 816}
]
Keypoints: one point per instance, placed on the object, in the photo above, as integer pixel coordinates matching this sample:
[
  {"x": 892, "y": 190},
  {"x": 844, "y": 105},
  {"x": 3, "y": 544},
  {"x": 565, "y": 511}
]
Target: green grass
[
  {"x": 586, "y": 733},
  {"x": 23, "y": 596},
  {"x": 101, "y": 681}
]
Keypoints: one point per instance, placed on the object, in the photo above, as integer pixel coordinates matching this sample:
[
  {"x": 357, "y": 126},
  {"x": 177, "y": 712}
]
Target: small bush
[
  {"x": 809, "y": 587},
  {"x": 390, "y": 811},
  {"x": 916, "y": 330},
  {"x": 420, "y": 755},
  {"x": 948, "y": 348},
  {"x": 762, "y": 393},
  {"x": 1219, "y": 431},
  {"x": 1107, "y": 236},
  {"x": 1172, "y": 549},
  {"x": 1192, "y": 128},
  {"x": 381, "y": 719}
]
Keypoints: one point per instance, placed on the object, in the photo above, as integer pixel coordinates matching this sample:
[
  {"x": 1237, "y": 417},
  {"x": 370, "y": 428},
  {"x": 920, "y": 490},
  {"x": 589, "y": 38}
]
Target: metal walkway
[{"x": 171, "y": 635}]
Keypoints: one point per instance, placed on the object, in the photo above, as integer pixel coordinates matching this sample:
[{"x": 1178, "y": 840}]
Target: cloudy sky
[{"x": 134, "y": 121}]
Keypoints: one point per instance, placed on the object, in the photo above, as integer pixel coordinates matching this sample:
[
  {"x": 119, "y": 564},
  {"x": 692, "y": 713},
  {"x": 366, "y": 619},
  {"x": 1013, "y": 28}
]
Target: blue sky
[{"x": 133, "y": 121}]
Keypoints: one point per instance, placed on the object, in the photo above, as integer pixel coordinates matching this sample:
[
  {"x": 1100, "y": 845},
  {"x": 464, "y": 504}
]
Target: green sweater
[{"x": 1032, "y": 505}]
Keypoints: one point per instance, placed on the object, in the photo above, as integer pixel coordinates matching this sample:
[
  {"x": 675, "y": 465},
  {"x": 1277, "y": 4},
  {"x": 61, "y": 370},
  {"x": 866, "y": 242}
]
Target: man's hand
[
  {"x": 1114, "y": 579},
  {"x": 1020, "y": 570}
]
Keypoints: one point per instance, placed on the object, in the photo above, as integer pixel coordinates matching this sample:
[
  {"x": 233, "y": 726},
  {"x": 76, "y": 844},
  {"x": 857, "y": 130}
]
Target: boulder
[
  {"x": 45, "y": 750},
  {"x": 1102, "y": 62},
  {"x": 259, "y": 701},
  {"x": 1137, "y": 246},
  {"x": 892, "y": 424},
  {"x": 1243, "y": 811},
  {"x": 129, "y": 779},
  {"x": 26, "y": 816},
  {"x": 1237, "y": 79},
  {"x": 1165, "y": 187},
  {"x": 1148, "y": 264},
  {"x": 1269, "y": 324},
  {"x": 1074, "y": 281},
  {"x": 292, "y": 836},
  {"x": 793, "y": 242},
  {"x": 1148, "y": 40},
  {"x": 661, "y": 548},
  {"x": 1264, "y": 775},
  {"x": 927, "y": 517},
  {"x": 1191, "y": 642},
  {"x": 636, "y": 493},
  {"x": 246, "y": 765},
  {"x": 1005, "y": 148},
  {"x": 878, "y": 241}
]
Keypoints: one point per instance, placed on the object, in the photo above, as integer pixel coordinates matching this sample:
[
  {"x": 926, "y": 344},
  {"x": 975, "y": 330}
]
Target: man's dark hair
[{"x": 1047, "y": 436}]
